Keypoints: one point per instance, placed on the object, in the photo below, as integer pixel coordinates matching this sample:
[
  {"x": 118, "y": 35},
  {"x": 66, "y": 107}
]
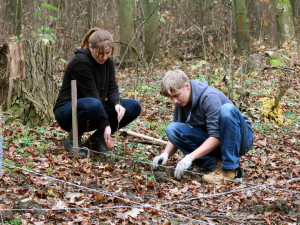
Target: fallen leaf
[
  {"x": 51, "y": 192},
  {"x": 73, "y": 196},
  {"x": 39, "y": 223},
  {"x": 134, "y": 212},
  {"x": 99, "y": 197},
  {"x": 196, "y": 183},
  {"x": 174, "y": 190},
  {"x": 121, "y": 215},
  {"x": 80, "y": 202},
  {"x": 184, "y": 190},
  {"x": 26, "y": 199},
  {"x": 59, "y": 205}
]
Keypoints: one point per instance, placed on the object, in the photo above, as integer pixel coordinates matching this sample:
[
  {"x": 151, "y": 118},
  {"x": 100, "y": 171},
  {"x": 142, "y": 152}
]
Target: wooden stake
[
  {"x": 1, "y": 141},
  {"x": 144, "y": 136},
  {"x": 0, "y": 119},
  {"x": 74, "y": 118}
]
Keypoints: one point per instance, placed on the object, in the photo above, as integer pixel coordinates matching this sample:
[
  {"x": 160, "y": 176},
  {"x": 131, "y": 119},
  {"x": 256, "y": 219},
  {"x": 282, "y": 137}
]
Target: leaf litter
[{"x": 126, "y": 190}]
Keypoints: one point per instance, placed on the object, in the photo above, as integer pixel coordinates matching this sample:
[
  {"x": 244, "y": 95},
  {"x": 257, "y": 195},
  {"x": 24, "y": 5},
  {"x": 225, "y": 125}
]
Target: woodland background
[{"x": 239, "y": 47}]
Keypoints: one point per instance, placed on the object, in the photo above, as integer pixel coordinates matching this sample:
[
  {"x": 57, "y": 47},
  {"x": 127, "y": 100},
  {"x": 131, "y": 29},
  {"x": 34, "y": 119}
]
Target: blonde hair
[
  {"x": 173, "y": 80},
  {"x": 98, "y": 38}
]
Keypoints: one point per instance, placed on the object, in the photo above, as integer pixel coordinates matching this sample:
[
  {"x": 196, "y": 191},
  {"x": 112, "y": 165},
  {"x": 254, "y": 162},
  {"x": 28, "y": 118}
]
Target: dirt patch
[
  {"x": 162, "y": 176},
  {"x": 276, "y": 206},
  {"x": 7, "y": 216}
]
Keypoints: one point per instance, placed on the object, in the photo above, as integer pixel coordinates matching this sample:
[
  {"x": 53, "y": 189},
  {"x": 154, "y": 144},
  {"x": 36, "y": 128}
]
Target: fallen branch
[
  {"x": 144, "y": 136},
  {"x": 0, "y": 119},
  {"x": 1, "y": 140},
  {"x": 223, "y": 217},
  {"x": 280, "y": 68},
  {"x": 145, "y": 142}
]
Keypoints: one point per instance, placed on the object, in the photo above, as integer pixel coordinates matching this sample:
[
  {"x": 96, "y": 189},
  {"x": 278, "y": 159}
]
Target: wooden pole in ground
[
  {"x": 74, "y": 118},
  {"x": 155, "y": 140},
  {"x": 1, "y": 140},
  {"x": 0, "y": 119}
]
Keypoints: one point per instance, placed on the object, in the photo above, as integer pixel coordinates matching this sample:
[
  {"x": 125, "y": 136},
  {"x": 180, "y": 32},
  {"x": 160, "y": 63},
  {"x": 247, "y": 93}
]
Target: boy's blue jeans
[
  {"x": 236, "y": 139},
  {"x": 89, "y": 111}
]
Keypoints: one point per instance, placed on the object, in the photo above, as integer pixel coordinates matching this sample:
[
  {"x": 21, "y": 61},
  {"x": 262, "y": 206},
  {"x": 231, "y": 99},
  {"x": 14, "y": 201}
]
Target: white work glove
[
  {"x": 163, "y": 158},
  {"x": 183, "y": 165}
]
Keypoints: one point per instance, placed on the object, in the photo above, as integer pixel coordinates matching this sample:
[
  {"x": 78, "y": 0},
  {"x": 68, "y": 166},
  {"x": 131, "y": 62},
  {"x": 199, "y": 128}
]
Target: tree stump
[{"x": 32, "y": 87}]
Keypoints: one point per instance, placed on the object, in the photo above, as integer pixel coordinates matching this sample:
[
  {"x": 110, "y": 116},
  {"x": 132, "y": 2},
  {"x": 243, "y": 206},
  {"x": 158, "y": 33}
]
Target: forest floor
[{"x": 43, "y": 184}]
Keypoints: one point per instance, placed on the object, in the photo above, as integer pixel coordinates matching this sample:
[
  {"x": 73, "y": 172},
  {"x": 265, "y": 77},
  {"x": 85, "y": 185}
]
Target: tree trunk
[
  {"x": 126, "y": 26},
  {"x": 9, "y": 17},
  {"x": 151, "y": 29},
  {"x": 11, "y": 10},
  {"x": 296, "y": 10},
  {"x": 242, "y": 31},
  {"x": 285, "y": 24},
  {"x": 296, "y": 13},
  {"x": 31, "y": 98},
  {"x": 18, "y": 20},
  {"x": 3, "y": 72},
  {"x": 197, "y": 10},
  {"x": 90, "y": 20}
]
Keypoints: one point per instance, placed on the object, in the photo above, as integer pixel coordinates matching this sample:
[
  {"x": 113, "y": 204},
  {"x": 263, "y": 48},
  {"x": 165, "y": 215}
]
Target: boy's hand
[
  {"x": 183, "y": 165},
  {"x": 163, "y": 158}
]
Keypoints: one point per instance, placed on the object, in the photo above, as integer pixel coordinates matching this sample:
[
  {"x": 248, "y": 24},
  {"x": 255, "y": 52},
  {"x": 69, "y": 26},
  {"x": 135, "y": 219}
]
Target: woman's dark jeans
[{"x": 89, "y": 111}]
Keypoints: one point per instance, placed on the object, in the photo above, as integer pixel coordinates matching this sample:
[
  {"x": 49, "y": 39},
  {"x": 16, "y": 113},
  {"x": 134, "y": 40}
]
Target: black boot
[
  {"x": 68, "y": 143},
  {"x": 97, "y": 142}
]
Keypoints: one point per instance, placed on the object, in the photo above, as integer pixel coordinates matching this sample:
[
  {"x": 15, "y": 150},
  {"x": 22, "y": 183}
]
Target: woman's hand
[
  {"x": 107, "y": 136},
  {"x": 120, "y": 110}
]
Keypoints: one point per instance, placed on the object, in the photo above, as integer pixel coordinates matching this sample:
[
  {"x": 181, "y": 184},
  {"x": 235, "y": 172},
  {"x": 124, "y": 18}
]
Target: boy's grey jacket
[{"x": 204, "y": 112}]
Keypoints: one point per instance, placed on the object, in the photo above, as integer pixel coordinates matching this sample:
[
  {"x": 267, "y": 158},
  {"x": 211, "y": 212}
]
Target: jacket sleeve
[
  {"x": 113, "y": 95},
  {"x": 212, "y": 106}
]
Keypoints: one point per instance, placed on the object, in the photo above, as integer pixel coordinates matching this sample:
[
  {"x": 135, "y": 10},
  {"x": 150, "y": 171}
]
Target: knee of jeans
[
  {"x": 95, "y": 104},
  {"x": 137, "y": 107},
  {"x": 227, "y": 110},
  {"x": 171, "y": 130},
  {"x": 133, "y": 110},
  {"x": 92, "y": 106}
]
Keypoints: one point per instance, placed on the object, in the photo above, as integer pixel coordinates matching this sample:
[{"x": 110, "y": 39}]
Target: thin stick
[
  {"x": 1, "y": 140},
  {"x": 74, "y": 118},
  {"x": 144, "y": 136},
  {"x": 0, "y": 119}
]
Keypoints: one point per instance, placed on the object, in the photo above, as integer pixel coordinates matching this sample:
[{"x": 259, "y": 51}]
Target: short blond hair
[{"x": 173, "y": 80}]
